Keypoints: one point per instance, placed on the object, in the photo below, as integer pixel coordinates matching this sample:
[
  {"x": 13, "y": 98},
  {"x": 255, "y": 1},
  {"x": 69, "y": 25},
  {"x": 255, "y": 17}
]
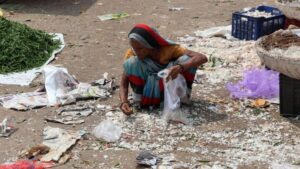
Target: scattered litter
[
  {"x": 59, "y": 141},
  {"x": 256, "y": 83},
  {"x": 108, "y": 131},
  {"x": 148, "y": 159},
  {"x": 6, "y": 129},
  {"x": 27, "y": 164},
  {"x": 78, "y": 110},
  {"x": 230, "y": 131},
  {"x": 187, "y": 39},
  {"x": 104, "y": 107},
  {"x": 24, "y": 101},
  {"x": 65, "y": 120},
  {"x": 58, "y": 83},
  {"x": 176, "y": 9},
  {"x": 261, "y": 103},
  {"x": 72, "y": 114},
  {"x": 113, "y": 16},
  {"x": 1, "y": 12},
  {"x": 61, "y": 89},
  {"x": 221, "y": 31}
]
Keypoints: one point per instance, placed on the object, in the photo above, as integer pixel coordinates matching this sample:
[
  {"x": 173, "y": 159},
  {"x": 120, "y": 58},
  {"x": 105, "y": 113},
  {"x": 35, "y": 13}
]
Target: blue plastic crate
[{"x": 252, "y": 28}]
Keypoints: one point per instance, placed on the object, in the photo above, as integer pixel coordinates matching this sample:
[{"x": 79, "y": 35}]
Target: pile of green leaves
[{"x": 23, "y": 48}]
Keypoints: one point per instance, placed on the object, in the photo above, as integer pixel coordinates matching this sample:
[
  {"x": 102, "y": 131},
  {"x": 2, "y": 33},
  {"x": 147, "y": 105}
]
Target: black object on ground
[{"x": 289, "y": 96}]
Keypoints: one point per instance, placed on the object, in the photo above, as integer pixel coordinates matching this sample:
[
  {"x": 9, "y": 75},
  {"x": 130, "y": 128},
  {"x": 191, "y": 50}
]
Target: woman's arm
[
  {"x": 124, "y": 95},
  {"x": 196, "y": 60}
]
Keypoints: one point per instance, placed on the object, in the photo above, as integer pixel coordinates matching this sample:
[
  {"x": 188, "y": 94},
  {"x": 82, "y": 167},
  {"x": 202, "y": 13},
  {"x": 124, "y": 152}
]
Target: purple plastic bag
[{"x": 256, "y": 83}]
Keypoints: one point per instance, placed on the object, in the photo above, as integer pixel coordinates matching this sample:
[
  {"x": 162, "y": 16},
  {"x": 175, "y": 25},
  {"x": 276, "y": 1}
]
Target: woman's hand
[
  {"x": 126, "y": 109},
  {"x": 174, "y": 71}
]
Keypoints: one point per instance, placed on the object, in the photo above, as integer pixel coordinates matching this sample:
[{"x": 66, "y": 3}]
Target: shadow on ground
[
  {"x": 204, "y": 111},
  {"x": 55, "y": 7}
]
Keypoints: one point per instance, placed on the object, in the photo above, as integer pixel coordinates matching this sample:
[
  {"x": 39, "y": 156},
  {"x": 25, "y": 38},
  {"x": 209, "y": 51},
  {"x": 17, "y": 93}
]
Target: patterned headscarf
[{"x": 148, "y": 37}]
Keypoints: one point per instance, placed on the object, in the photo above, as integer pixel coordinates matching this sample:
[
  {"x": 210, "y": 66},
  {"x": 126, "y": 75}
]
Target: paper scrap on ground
[
  {"x": 66, "y": 120},
  {"x": 113, "y": 16},
  {"x": 26, "y": 77},
  {"x": 1, "y": 12},
  {"x": 59, "y": 141},
  {"x": 6, "y": 129},
  {"x": 24, "y": 101},
  {"x": 72, "y": 114}
]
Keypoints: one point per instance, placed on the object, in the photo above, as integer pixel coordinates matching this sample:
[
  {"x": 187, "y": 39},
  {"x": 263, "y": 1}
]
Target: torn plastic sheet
[
  {"x": 59, "y": 141},
  {"x": 256, "y": 83},
  {"x": 26, "y": 77}
]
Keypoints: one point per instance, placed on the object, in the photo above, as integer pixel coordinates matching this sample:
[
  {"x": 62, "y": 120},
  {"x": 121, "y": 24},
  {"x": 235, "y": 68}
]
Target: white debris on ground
[
  {"x": 225, "y": 132},
  {"x": 228, "y": 58},
  {"x": 258, "y": 14}
]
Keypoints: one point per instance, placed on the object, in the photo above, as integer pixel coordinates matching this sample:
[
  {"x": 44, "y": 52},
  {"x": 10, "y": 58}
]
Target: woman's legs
[{"x": 147, "y": 87}]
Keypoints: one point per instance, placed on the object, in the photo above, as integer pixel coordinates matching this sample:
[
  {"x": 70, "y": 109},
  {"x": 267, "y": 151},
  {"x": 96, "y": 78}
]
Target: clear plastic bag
[
  {"x": 108, "y": 131},
  {"x": 174, "y": 91}
]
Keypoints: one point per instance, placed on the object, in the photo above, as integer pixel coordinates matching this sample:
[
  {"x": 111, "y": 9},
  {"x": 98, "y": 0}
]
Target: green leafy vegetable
[{"x": 23, "y": 48}]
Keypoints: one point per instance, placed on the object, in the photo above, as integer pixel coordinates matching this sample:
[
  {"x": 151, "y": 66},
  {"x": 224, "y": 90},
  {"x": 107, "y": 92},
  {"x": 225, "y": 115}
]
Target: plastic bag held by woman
[{"x": 175, "y": 90}]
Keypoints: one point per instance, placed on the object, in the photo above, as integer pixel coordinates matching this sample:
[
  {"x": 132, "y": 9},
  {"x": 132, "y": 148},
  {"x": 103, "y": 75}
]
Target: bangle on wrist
[
  {"x": 124, "y": 103},
  {"x": 181, "y": 67}
]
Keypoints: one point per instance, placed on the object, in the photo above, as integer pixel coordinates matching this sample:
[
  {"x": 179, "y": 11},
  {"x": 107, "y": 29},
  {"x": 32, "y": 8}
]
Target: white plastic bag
[
  {"x": 174, "y": 91},
  {"x": 223, "y": 31},
  {"x": 107, "y": 131},
  {"x": 57, "y": 83}
]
